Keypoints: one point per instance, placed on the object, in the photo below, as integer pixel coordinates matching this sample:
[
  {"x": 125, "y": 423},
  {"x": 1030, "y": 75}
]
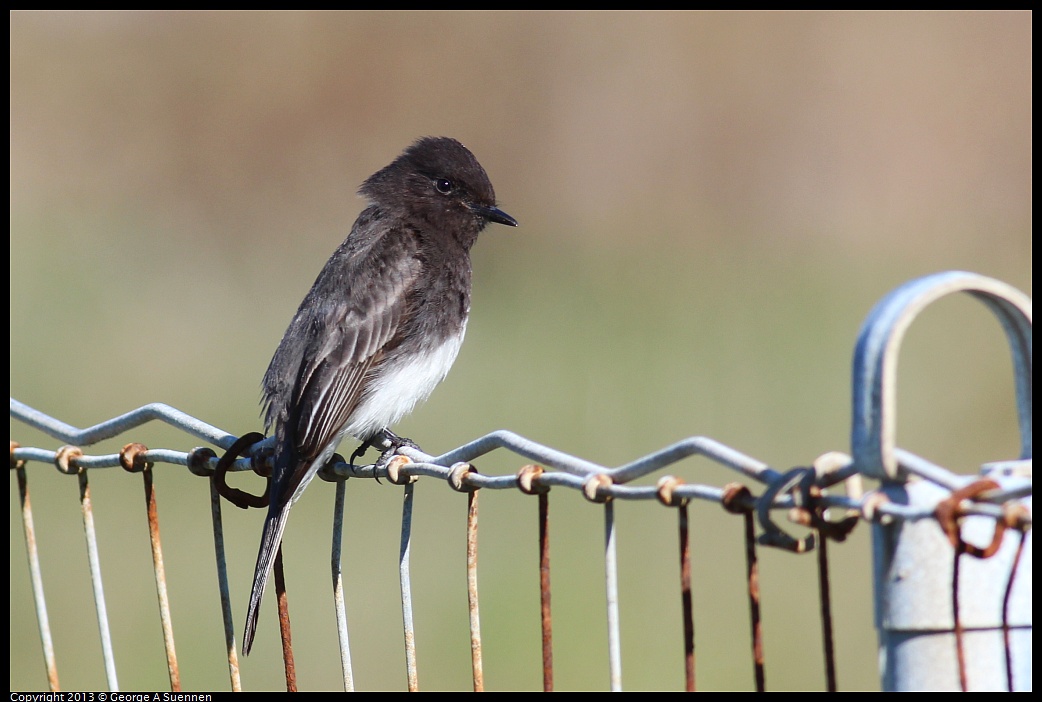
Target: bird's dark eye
[{"x": 444, "y": 185}]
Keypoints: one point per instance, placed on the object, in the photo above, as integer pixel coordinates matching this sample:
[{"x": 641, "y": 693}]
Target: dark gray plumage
[{"x": 380, "y": 327}]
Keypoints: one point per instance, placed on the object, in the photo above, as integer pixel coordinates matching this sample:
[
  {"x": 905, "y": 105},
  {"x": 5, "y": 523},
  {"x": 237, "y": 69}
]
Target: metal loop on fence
[
  {"x": 595, "y": 488},
  {"x": 65, "y": 459},
  {"x": 199, "y": 461},
  {"x": 394, "y": 470},
  {"x": 327, "y": 473},
  {"x": 825, "y": 465},
  {"x": 132, "y": 458},
  {"x": 773, "y": 535},
  {"x": 736, "y": 498},
  {"x": 875, "y": 361},
  {"x": 528, "y": 480},
  {"x": 949, "y": 511},
  {"x": 240, "y": 498},
  {"x": 457, "y": 478},
  {"x": 666, "y": 487}
]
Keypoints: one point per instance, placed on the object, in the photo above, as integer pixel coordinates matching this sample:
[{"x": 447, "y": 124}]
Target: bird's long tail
[{"x": 274, "y": 525}]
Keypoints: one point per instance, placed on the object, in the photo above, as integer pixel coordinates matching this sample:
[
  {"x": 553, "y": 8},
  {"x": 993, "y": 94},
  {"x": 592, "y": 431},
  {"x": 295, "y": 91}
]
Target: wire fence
[{"x": 950, "y": 613}]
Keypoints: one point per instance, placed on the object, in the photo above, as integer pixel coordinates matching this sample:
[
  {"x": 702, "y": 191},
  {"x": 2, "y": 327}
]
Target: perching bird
[{"x": 380, "y": 327}]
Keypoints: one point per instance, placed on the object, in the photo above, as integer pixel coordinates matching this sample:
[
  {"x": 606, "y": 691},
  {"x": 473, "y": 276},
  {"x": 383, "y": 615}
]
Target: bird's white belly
[{"x": 402, "y": 384}]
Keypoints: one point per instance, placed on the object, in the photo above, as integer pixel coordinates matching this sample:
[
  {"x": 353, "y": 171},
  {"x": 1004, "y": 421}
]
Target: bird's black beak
[{"x": 494, "y": 214}]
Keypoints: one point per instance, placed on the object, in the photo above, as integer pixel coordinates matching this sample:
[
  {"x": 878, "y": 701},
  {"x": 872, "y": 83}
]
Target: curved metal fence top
[{"x": 874, "y": 417}]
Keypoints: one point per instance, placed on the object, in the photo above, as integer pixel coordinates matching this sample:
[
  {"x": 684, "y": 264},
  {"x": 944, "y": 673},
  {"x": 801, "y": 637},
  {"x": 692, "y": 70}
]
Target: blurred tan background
[{"x": 709, "y": 205}]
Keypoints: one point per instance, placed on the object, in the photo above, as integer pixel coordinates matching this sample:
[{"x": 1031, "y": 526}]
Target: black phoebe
[{"x": 380, "y": 327}]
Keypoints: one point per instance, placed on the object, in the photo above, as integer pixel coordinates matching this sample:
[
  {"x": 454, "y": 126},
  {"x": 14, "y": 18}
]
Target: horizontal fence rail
[{"x": 924, "y": 517}]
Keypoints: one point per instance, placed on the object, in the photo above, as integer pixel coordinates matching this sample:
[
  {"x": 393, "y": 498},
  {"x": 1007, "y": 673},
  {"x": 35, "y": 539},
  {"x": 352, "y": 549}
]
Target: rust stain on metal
[
  {"x": 30, "y": 547},
  {"x": 753, "y": 574},
  {"x": 1021, "y": 513},
  {"x": 825, "y": 594},
  {"x": 528, "y": 480},
  {"x": 65, "y": 459},
  {"x": 959, "y": 650},
  {"x": 413, "y": 680},
  {"x": 737, "y": 499},
  {"x": 665, "y": 488},
  {"x": 284, "y": 630},
  {"x": 132, "y": 459},
  {"x": 949, "y": 512},
  {"x": 593, "y": 486},
  {"x": 544, "y": 590},
  {"x": 685, "y": 596},
  {"x": 394, "y": 470},
  {"x": 472, "y": 590}
]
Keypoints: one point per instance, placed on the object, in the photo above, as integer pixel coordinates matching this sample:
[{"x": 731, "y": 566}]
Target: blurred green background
[{"x": 709, "y": 205}]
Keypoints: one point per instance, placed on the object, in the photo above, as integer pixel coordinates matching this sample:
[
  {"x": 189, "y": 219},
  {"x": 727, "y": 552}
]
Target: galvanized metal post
[{"x": 950, "y": 614}]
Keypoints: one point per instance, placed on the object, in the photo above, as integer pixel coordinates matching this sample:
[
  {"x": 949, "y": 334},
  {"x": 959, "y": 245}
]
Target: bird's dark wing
[
  {"x": 314, "y": 381},
  {"x": 342, "y": 327}
]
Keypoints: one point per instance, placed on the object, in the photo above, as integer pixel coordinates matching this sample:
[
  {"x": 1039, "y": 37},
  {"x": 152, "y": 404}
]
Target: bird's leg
[
  {"x": 362, "y": 448},
  {"x": 393, "y": 442},
  {"x": 388, "y": 442}
]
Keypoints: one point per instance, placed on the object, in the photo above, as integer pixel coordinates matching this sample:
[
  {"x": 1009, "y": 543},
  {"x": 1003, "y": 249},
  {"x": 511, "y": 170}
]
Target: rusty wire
[
  {"x": 825, "y": 598},
  {"x": 132, "y": 461},
  {"x": 960, "y": 651},
  {"x": 282, "y": 597},
  {"x": 685, "y": 595},
  {"x": 1013, "y": 523},
  {"x": 35, "y": 575},
  {"x": 528, "y": 482},
  {"x": 546, "y": 621},
  {"x": 736, "y": 501},
  {"x": 753, "y": 575},
  {"x": 666, "y": 487},
  {"x": 472, "y": 592},
  {"x": 949, "y": 512}
]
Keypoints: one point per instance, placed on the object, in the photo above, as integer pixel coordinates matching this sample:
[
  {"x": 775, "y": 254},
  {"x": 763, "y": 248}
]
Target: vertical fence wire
[
  {"x": 546, "y": 622},
  {"x": 685, "y": 597},
  {"x": 472, "y": 591},
  {"x": 1006, "y": 605},
  {"x": 825, "y": 593},
  {"x": 602, "y": 489},
  {"x": 611, "y": 576},
  {"x": 36, "y": 578},
  {"x": 599, "y": 487},
  {"x": 406, "y": 587},
  {"x": 960, "y": 650},
  {"x": 152, "y": 513},
  {"x": 752, "y": 572},
  {"x": 94, "y": 562},
  {"x": 222, "y": 585},
  {"x": 282, "y": 597},
  {"x": 338, "y": 587}
]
